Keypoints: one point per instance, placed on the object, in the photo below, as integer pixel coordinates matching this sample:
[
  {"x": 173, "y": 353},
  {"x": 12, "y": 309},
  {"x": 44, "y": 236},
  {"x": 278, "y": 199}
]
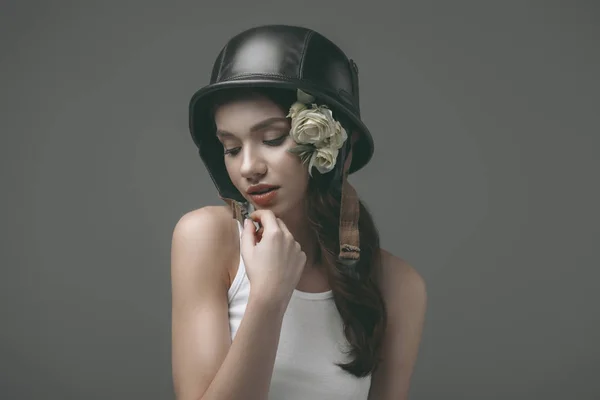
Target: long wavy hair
[{"x": 356, "y": 294}]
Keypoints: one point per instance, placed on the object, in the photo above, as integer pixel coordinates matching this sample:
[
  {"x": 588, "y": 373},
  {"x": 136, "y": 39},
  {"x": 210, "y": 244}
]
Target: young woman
[{"x": 284, "y": 293}]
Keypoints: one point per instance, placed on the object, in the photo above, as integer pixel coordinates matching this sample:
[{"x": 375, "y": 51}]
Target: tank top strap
[{"x": 241, "y": 271}]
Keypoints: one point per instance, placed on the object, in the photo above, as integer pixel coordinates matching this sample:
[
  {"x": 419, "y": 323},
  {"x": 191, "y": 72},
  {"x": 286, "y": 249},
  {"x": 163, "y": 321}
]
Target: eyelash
[{"x": 274, "y": 142}]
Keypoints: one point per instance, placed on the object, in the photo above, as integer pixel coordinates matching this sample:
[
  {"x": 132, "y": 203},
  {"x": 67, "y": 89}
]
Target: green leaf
[
  {"x": 302, "y": 148},
  {"x": 305, "y": 157}
]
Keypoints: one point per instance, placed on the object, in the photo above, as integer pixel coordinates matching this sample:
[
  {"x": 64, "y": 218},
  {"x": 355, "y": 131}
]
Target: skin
[{"x": 204, "y": 260}]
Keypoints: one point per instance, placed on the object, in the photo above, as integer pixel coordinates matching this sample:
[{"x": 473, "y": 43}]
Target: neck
[{"x": 299, "y": 227}]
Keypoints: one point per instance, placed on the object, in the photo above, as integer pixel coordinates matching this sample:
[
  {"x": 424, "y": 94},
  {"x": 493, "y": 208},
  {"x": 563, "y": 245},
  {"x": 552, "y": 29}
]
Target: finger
[
  {"x": 284, "y": 227},
  {"x": 248, "y": 240},
  {"x": 267, "y": 220}
]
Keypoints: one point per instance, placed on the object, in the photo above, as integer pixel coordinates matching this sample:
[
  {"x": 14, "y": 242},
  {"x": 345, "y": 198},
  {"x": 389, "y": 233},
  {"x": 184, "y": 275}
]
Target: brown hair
[{"x": 356, "y": 293}]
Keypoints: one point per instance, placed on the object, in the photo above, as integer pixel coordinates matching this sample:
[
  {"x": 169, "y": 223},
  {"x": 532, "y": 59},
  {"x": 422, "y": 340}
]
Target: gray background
[{"x": 485, "y": 117}]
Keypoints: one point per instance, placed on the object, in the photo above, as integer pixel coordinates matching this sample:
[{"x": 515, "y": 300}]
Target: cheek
[
  {"x": 233, "y": 170},
  {"x": 296, "y": 171},
  {"x": 288, "y": 167},
  {"x": 280, "y": 156},
  {"x": 290, "y": 163}
]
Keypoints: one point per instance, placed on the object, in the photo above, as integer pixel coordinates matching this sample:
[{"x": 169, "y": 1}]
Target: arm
[
  {"x": 406, "y": 299},
  {"x": 206, "y": 364}
]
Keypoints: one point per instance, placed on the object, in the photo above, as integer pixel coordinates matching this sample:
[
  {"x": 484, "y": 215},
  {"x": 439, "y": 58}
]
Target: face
[{"x": 255, "y": 137}]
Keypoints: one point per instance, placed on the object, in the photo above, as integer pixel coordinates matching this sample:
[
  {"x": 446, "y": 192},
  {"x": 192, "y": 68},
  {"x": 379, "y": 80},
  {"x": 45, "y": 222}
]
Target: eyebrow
[{"x": 256, "y": 127}]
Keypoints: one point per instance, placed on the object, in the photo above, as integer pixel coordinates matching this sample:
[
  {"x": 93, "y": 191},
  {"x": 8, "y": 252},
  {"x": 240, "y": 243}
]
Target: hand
[{"x": 274, "y": 263}]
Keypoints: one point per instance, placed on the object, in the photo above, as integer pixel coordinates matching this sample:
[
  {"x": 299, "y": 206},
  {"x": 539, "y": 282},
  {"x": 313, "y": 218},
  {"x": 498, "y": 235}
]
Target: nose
[{"x": 253, "y": 166}]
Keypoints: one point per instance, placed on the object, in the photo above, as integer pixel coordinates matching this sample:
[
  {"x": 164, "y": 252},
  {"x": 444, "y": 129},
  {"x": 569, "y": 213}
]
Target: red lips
[
  {"x": 257, "y": 189},
  {"x": 263, "y": 195}
]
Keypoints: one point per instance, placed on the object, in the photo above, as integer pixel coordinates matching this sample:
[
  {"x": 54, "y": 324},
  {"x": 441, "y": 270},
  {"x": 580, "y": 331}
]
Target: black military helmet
[{"x": 286, "y": 57}]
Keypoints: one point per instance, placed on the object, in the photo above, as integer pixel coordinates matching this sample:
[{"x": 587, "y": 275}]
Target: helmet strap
[{"x": 349, "y": 215}]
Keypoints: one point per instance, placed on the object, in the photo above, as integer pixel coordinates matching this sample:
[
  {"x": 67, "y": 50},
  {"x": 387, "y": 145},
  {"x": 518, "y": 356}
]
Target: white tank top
[{"x": 311, "y": 342}]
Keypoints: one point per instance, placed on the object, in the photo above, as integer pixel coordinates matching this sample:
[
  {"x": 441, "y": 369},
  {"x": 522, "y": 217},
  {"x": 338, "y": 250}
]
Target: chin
[
  {"x": 276, "y": 208},
  {"x": 279, "y": 209}
]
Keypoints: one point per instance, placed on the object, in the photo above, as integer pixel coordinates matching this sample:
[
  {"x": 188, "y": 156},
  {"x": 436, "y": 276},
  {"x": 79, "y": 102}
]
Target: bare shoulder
[
  {"x": 202, "y": 252},
  {"x": 217, "y": 218},
  {"x": 209, "y": 228},
  {"x": 405, "y": 294},
  {"x": 399, "y": 279}
]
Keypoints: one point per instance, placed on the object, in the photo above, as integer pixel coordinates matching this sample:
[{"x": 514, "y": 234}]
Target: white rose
[
  {"x": 337, "y": 138},
  {"x": 295, "y": 109},
  {"x": 323, "y": 159},
  {"x": 313, "y": 125}
]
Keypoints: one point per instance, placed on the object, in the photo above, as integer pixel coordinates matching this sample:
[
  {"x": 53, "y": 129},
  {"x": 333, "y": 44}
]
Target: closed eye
[
  {"x": 276, "y": 142},
  {"x": 273, "y": 142},
  {"x": 232, "y": 152}
]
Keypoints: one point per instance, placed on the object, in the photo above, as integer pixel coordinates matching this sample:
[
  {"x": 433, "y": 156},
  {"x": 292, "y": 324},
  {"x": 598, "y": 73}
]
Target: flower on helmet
[{"x": 318, "y": 135}]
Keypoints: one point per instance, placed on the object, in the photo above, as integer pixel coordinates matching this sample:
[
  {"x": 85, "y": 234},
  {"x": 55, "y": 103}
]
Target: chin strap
[
  {"x": 237, "y": 209},
  {"x": 350, "y": 208},
  {"x": 349, "y": 253},
  {"x": 348, "y": 229}
]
